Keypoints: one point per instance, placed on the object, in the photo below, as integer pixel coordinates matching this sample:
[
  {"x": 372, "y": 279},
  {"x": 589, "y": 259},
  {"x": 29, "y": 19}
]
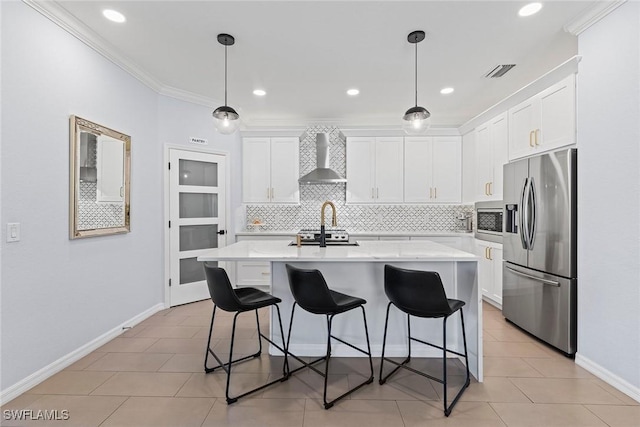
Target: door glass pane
[
  {"x": 198, "y": 205},
  {"x": 194, "y": 237},
  {"x": 193, "y": 172},
  {"x": 191, "y": 270}
]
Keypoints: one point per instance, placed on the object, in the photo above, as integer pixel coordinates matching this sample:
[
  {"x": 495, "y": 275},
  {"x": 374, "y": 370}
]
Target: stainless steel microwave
[{"x": 489, "y": 220}]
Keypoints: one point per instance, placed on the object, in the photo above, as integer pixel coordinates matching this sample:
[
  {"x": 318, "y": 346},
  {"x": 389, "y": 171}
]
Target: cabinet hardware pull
[
  {"x": 531, "y": 139},
  {"x": 377, "y": 193},
  {"x": 373, "y": 193},
  {"x": 272, "y": 193},
  {"x": 431, "y": 192},
  {"x": 490, "y": 257},
  {"x": 537, "y": 132},
  {"x": 435, "y": 192},
  {"x": 268, "y": 193},
  {"x": 486, "y": 188},
  {"x": 486, "y": 252},
  {"x": 490, "y": 192},
  {"x": 266, "y": 273}
]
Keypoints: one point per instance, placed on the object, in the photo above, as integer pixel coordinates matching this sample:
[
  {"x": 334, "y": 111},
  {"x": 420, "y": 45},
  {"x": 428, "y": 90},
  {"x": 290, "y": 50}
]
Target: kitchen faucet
[{"x": 334, "y": 222}]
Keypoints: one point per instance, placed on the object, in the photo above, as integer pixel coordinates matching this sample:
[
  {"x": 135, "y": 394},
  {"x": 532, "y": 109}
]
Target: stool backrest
[
  {"x": 310, "y": 290},
  {"x": 416, "y": 291},
  {"x": 220, "y": 289}
]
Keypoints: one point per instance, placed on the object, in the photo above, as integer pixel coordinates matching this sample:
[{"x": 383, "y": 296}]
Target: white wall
[
  {"x": 609, "y": 197},
  {"x": 58, "y": 294}
]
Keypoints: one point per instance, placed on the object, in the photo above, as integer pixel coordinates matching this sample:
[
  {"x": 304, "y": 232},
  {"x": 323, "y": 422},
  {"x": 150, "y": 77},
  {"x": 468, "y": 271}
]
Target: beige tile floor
[{"x": 152, "y": 375}]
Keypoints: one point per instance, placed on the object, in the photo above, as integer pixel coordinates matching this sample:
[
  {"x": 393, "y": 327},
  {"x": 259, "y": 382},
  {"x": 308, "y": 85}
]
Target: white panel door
[
  {"x": 417, "y": 170},
  {"x": 285, "y": 170},
  {"x": 446, "y": 169},
  {"x": 256, "y": 170},
  {"x": 197, "y": 204},
  {"x": 360, "y": 170},
  {"x": 389, "y": 167}
]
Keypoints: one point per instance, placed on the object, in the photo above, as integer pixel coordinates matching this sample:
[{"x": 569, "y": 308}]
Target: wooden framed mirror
[{"x": 99, "y": 183}]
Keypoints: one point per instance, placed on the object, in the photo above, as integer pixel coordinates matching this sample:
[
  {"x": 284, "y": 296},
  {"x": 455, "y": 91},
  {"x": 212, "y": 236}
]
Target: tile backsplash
[{"x": 354, "y": 218}]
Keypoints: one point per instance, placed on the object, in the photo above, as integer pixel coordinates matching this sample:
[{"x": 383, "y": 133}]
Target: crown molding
[
  {"x": 191, "y": 97},
  {"x": 551, "y": 77},
  {"x": 61, "y": 17},
  {"x": 592, "y": 15}
]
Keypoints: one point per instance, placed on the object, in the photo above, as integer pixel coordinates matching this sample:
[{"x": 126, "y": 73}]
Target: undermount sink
[{"x": 328, "y": 244}]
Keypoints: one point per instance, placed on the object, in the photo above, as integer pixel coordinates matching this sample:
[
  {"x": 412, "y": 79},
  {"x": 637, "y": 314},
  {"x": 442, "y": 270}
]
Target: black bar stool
[
  {"x": 311, "y": 292},
  {"x": 239, "y": 301},
  {"x": 421, "y": 294}
]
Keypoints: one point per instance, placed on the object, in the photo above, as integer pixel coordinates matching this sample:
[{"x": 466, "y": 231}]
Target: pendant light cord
[
  {"x": 416, "y": 73},
  {"x": 225, "y": 75}
]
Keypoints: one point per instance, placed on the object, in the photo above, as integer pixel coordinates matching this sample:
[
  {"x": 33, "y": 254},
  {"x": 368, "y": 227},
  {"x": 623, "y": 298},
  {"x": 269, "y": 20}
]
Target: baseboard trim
[
  {"x": 37, "y": 377},
  {"x": 608, "y": 377}
]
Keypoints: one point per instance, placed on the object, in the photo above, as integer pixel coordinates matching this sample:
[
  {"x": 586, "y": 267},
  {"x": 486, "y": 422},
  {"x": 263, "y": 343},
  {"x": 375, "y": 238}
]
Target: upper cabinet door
[
  {"x": 500, "y": 150},
  {"x": 446, "y": 169},
  {"x": 389, "y": 165},
  {"x": 544, "y": 122},
  {"x": 360, "y": 170},
  {"x": 523, "y": 122},
  {"x": 484, "y": 161},
  {"x": 418, "y": 187},
  {"x": 256, "y": 170},
  {"x": 557, "y": 115},
  {"x": 285, "y": 170}
]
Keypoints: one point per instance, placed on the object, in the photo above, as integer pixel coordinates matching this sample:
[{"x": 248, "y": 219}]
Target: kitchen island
[{"x": 359, "y": 271}]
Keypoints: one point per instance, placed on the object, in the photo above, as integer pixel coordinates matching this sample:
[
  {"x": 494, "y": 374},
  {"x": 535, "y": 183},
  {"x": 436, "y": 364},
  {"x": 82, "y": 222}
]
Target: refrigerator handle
[
  {"x": 524, "y": 218},
  {"x": 537, "y": 279},
  {"x": 532, "y": 220}
]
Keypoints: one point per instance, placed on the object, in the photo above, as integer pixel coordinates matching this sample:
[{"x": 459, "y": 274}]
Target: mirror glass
[{"x": 100, "y": 166}]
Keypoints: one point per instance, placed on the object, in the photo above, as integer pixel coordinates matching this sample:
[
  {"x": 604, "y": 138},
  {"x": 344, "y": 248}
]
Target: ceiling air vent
[{"x": 499, "y": 70}]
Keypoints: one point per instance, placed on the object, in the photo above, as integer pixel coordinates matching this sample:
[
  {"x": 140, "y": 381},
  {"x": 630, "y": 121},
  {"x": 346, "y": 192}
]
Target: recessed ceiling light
[
  {"x": 446, "y": 90},
  {"x": 113, "y": 15},
  {"x": 259, "y": 92},
  {"x": 530, "y": 9},
  {"x": 353, "y": 92}
]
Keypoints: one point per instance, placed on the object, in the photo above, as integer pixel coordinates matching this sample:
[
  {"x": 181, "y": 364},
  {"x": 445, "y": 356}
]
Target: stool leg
[
  {"x": 382, "y": 379},
  {"x": 209, "y": 350},
  {"x": 259, "y": 335},
  {"x": 233, "y": 336},
  {"x": 444, "y": 364},
  {"x": 447, "y": 410},
  {"x": 326, "y": 368},
  {"x": 366, "y": 334},
  {"x": 464, "y": 342},
  {"x": 285, "y": 365}
]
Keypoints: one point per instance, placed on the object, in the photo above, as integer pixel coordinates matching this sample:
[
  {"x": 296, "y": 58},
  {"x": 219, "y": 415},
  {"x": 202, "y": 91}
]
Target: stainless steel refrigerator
[{"x": 539, "y": 243}]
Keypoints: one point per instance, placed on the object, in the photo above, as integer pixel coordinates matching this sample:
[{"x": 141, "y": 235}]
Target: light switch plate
[{"x": 13, "y": 232}]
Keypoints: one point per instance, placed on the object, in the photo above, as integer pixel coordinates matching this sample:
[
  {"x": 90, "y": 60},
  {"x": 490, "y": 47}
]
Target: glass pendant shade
[
  {"x": 226, "y": 120},
  {"x": 416, "y": 121}
]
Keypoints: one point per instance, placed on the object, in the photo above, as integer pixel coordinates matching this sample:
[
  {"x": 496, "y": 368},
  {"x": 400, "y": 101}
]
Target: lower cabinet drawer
[{"x": 253, "y": 274}]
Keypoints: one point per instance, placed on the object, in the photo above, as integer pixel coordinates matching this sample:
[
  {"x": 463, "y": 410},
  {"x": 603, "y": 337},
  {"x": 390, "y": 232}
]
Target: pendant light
[
  {"x": 417, "y": 119},
  {"x": 226, "y": 119}
]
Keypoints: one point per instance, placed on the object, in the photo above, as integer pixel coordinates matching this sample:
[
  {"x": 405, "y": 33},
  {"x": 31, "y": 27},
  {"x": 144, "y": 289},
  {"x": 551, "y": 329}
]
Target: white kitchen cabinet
[
  {"x": 374, "y": 170},
  {"x": 270, "y": 170},
  {"x": 433, "y": 169},
  {"x": 491, "y": 141},
  {"x": 545, "y": 121},
  {"x": 490, "y": 271}
]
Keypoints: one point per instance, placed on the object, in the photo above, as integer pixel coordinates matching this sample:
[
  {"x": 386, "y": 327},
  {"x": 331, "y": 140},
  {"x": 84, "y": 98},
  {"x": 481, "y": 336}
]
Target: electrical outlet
[{"x": 13, "y": 232}]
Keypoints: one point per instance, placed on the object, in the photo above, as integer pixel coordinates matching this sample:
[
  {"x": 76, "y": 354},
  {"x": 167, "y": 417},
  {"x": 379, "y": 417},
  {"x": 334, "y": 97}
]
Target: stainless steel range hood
[{"x": 322, "y": 174}]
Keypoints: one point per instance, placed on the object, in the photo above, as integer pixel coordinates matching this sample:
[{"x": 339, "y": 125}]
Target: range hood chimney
[{"x": 322, "y": 174}]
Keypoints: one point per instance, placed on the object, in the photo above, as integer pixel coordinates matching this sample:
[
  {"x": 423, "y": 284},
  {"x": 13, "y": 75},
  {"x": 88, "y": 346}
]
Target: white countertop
[
  {"x": 365, "y": 233},
  {"x": 373, "y": 251}
]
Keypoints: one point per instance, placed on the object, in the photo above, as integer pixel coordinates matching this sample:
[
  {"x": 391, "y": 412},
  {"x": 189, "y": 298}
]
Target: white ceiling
[{"x": 306, "y": 54}]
